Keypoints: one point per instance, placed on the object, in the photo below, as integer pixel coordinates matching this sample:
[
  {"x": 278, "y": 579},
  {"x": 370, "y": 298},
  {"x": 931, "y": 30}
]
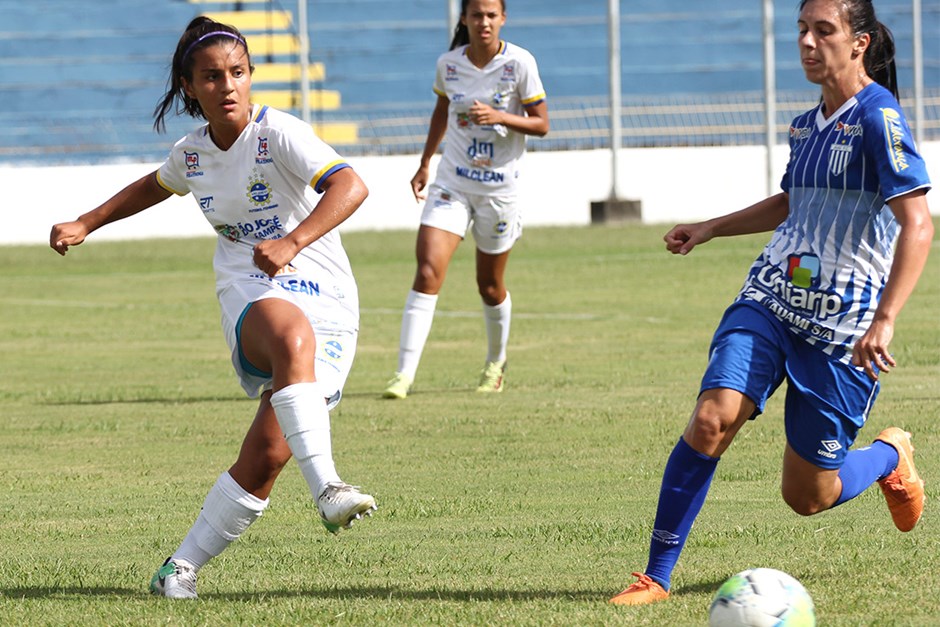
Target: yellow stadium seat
[
  {"x": 253, "y": 20},
  {"x": 285, "y": 73}
]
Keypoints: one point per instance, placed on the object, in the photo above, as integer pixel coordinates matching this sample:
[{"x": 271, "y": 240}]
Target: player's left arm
[
  {"x": 911, "y": 211},
  {"x": 343, "y": 193}
]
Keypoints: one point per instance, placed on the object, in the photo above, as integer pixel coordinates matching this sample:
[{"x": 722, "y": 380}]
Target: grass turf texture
[{"x": 119, "y": 410}]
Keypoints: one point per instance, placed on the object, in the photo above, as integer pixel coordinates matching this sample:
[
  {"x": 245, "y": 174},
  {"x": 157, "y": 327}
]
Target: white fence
[{"x": 673, "y": 185}]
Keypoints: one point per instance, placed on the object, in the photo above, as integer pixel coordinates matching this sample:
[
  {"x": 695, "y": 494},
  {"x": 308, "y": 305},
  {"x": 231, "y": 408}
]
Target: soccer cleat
[
  {"x": 903, "y": 488},
  {"x": 341, "y": 504},
  {"x": 174, "y": 580},
  {"x": 399, "y": 386},
  {"x": 491, "y": 378},
  {"x": 641, "y": 592}
]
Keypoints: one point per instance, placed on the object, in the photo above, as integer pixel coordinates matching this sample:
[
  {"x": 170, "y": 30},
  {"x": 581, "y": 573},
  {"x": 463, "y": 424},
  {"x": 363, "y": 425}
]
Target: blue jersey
[{"x": 825, "y": 267}]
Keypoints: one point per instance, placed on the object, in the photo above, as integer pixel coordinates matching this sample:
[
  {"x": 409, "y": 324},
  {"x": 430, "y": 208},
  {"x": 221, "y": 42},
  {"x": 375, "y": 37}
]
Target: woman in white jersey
[
  {"x": 489, "y": 97},
  {"x": 820, "y": 303},
  {"x": 275, "y": 193}
]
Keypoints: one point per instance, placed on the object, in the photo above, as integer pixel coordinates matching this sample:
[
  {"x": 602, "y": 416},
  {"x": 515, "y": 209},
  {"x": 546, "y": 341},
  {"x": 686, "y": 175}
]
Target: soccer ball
[{"x": 762, "y": 597}]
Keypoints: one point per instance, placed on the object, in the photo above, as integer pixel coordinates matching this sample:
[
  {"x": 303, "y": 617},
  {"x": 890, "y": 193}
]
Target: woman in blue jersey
[
  {"x": 275, "y": 193},
  {"x": 819, "y": 305},
  {"x": 489, "y": 98}
]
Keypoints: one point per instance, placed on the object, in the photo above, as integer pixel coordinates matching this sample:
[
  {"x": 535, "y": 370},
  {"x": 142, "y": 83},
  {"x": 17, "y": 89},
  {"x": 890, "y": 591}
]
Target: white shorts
[
  {"x": 496, "y": 220},
  {"x": 336, "y": 337}
]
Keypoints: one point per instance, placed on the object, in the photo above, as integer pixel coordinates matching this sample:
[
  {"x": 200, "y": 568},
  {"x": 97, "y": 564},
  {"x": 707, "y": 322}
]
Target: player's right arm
[
  {"x": 436, "y": 132},
  {"x": 762, "y": 216},
  {"x": 139, "y": 195}
]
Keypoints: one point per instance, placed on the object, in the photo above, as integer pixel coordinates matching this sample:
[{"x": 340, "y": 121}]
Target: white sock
[
  {"x": 497, "y": 320},
  {"x": 302, "y": 414},
  {"x": 226, "y": 513},
  {"x": 415, "y": 328}
]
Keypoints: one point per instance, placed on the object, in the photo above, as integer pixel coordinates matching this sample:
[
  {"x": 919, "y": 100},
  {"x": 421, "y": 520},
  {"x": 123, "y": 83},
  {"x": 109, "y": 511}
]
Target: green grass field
[{"x": 118, "y": 410}]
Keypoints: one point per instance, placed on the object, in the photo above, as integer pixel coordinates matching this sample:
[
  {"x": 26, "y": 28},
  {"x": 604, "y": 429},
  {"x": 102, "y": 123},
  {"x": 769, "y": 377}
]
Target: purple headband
[{"x": 223, "y": 33}]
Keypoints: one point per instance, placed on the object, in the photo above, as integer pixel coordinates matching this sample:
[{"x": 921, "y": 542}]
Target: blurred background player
[
  {"x": 290, "y": 310},
  {"x": 820, "y": 303},
  {"x": 489, "y": 97}
]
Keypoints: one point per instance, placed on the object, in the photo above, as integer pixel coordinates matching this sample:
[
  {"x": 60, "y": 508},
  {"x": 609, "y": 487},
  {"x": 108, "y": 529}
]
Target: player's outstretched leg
[{"x": 903, "y": 488}]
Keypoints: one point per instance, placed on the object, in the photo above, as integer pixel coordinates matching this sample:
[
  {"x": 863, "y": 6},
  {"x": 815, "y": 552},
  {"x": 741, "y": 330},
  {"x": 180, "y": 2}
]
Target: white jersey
[
  {"x": 261, "y": 188},
  {"x": 485, "y": 159},
  {"x": 824, "y": 269}
]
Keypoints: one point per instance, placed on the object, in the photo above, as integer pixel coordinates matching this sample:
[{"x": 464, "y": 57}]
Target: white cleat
[
  {"x": 174, "y": 580},
  {"x": 341, "y": 504}
]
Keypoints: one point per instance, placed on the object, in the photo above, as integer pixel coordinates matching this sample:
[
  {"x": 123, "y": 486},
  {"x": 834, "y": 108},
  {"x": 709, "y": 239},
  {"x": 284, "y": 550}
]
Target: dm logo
[
  {"x": 192, "y": 159},
  {"x": 803, "y": 270},
  {"x": 259, "y": 192}
]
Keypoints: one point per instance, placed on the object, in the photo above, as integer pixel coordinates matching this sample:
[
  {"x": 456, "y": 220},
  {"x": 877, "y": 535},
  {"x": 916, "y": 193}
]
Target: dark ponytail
[
  {"x": 879, "y": 59},
  {"x": 201, "y": 32},
  {"x": 461, "y": 34}
]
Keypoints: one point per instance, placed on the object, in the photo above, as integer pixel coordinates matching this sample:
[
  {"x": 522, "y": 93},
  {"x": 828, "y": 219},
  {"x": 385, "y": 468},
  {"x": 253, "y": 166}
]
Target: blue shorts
[{"x": 827, "y": 401}]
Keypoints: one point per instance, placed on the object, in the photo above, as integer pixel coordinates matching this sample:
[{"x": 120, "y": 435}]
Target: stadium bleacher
[{"x": 79, "y": 78}]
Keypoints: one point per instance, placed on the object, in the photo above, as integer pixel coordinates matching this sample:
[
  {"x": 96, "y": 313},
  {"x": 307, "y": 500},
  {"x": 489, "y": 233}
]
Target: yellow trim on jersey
[
  {"x": 325, "y": 170},
  {"x": 533, "y": 99},
  {"x": 439, "y": 93},
  {"x": 167, "y": 187}
]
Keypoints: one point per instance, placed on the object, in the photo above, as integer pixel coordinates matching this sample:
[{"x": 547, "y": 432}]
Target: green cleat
[
  {"x": 491, "y": 379},
  {"x": 398, "y": 387}
]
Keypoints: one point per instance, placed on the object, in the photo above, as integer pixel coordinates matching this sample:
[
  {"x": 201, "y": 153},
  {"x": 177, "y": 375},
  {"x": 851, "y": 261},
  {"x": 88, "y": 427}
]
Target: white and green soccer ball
[{"x": 762, "y": 597}]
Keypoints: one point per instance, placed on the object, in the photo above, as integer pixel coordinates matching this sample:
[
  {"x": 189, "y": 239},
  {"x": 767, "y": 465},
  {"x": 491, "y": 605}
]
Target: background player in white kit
[
  {"x": 288, "y": 299},
  {"x": 820, "y": 303},
  {"x": 489, "y": 97}
]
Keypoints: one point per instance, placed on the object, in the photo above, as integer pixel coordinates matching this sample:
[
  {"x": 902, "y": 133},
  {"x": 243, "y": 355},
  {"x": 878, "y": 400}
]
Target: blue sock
[
  {"x": 863, "y": 467},
  {"x": 686, "y": 480}
]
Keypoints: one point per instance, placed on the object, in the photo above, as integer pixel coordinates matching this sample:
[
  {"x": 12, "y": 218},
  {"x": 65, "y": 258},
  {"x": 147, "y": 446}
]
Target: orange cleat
[
  {"x": 903, "y": 488},
  {"x": 641, "y": 592}
]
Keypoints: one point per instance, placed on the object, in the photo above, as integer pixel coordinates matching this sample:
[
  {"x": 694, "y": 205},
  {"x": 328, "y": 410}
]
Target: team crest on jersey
[
  {"x": 803, "y": 270},
  {"x": 192, "y": 164},
  {"x": 895, "y": 133},
  {"x": 839, "y": 157},
  {"x": 263, "y": 155},
  {"x": 500, "y": 98},
  {"x": 450, "y": 72},
  {"x": 509, "y": 72},
  {"x": 259, "y": 191}
]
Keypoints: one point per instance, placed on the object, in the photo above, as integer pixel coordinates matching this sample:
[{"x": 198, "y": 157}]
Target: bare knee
[
  {"x": 428, "y": 279},
  {"x": 707, "y": 429},
  {"x": 491, "y": 293},
  {"x": 804, "y": 504}
]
